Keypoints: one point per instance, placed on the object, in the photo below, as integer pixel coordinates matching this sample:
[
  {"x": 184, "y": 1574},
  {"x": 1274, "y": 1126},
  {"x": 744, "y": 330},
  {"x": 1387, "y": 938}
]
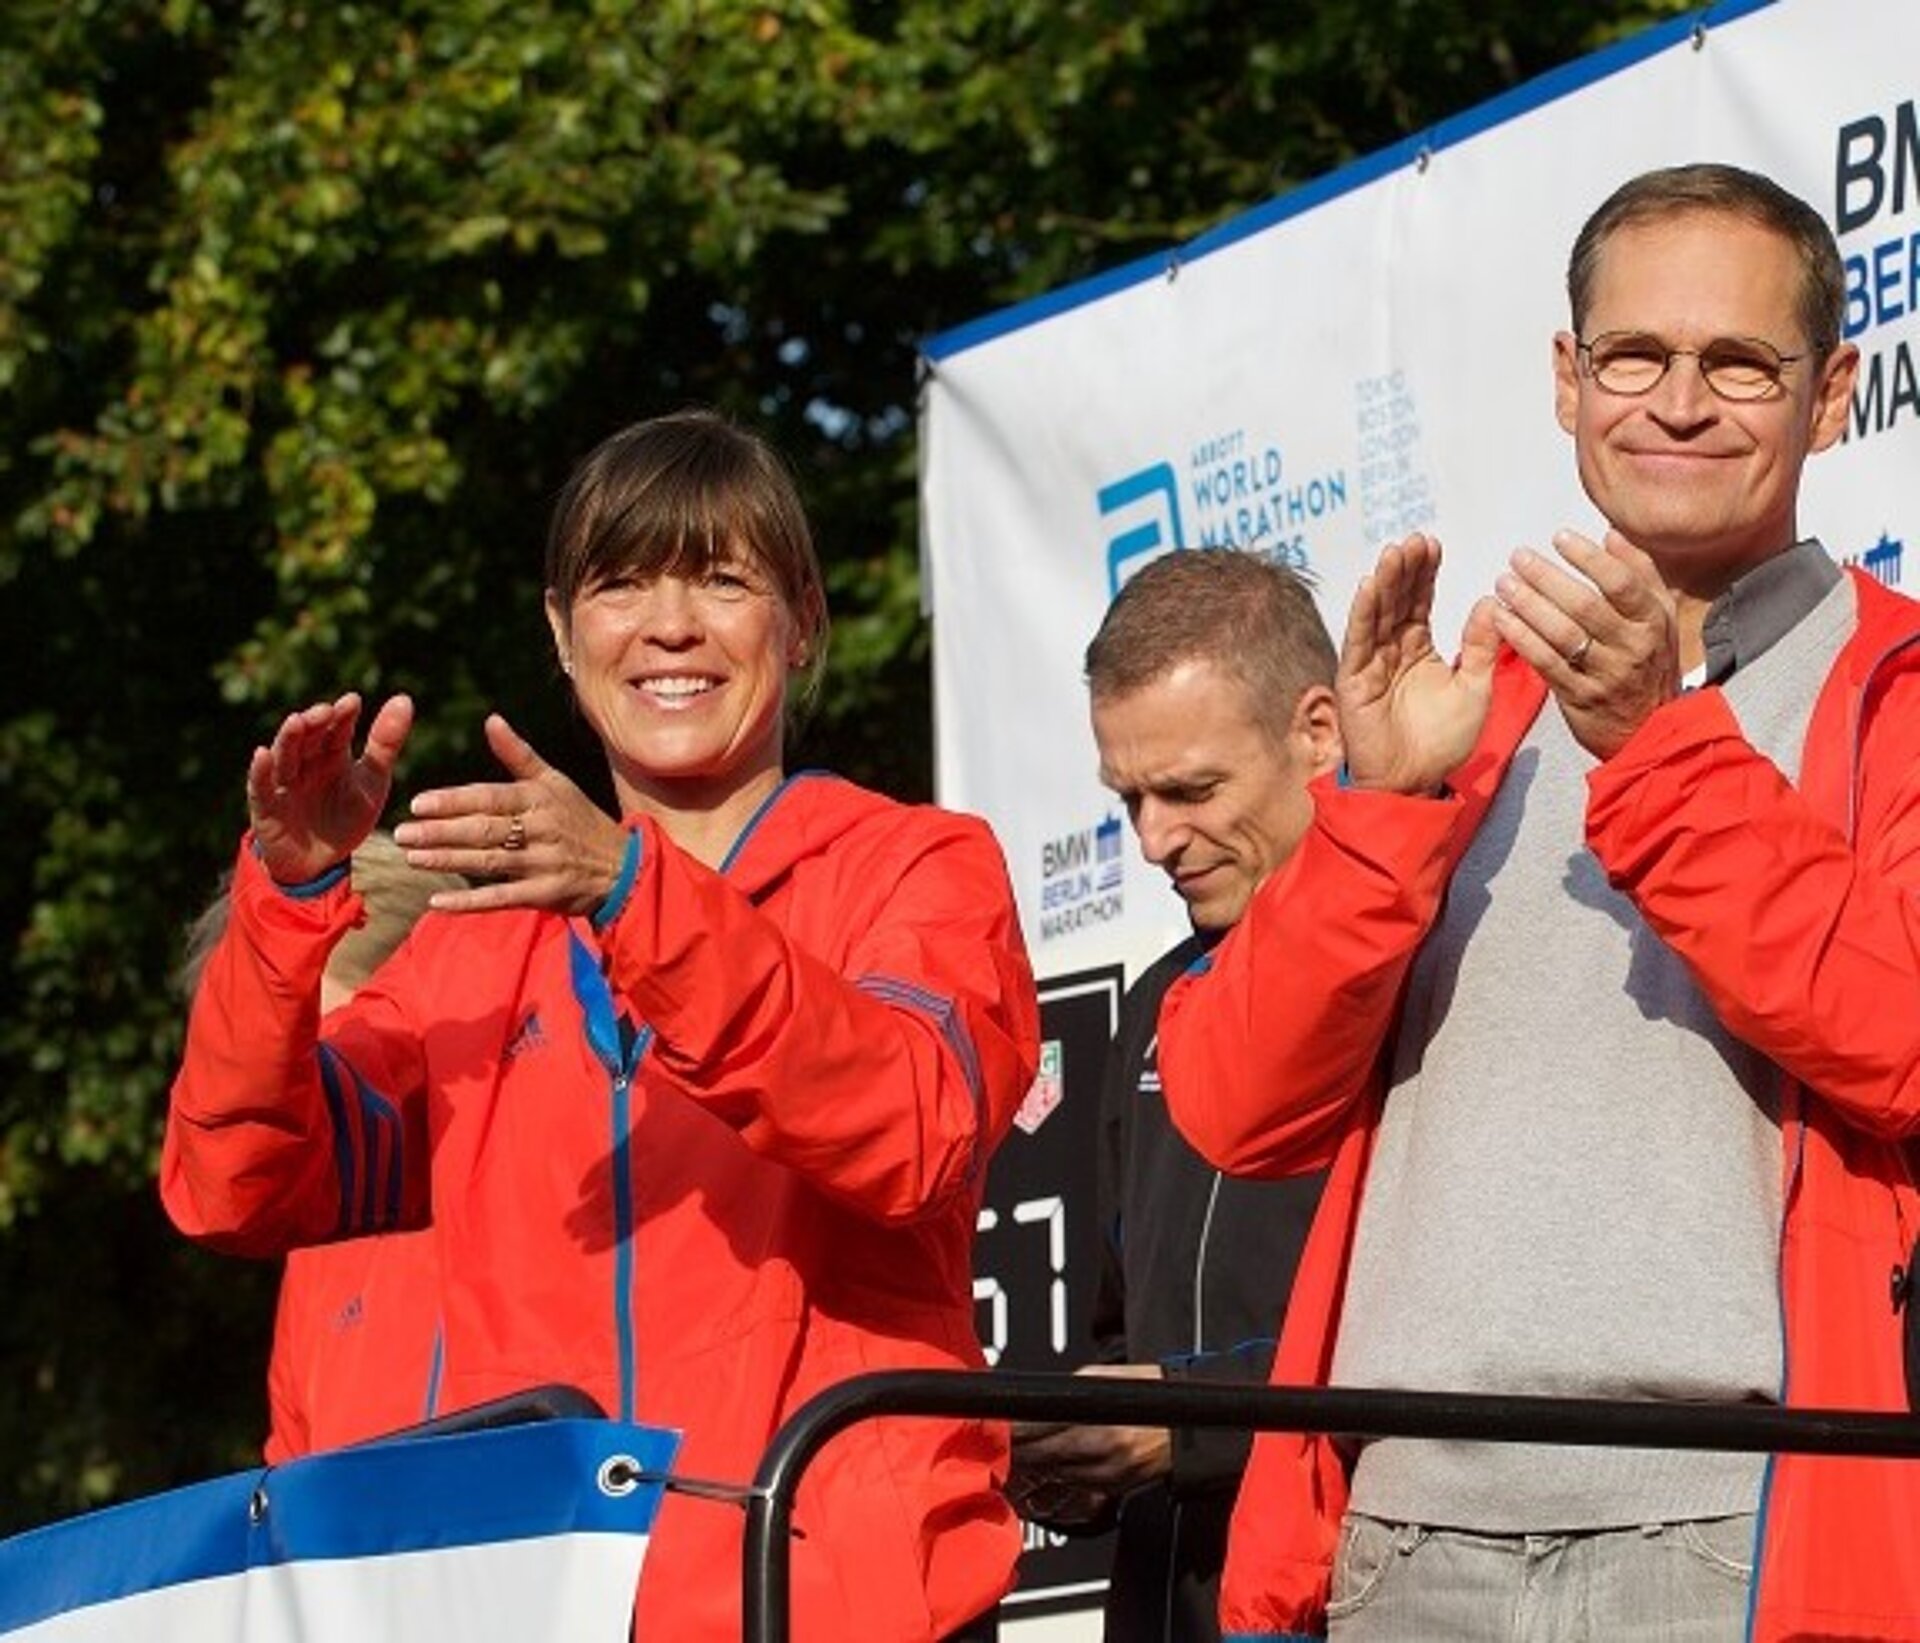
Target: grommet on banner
[
  {"x": 1423, "y": 158},
  {"x": 1173, "y": 266},
  {"x": 1699, "y": 36},
  {"x": 257, "y": 1507},
  {"x": 619, "y": 1475}
]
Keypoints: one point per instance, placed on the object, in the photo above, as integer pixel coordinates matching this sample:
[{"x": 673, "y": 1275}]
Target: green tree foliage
[{"x": 305, "y": 308}]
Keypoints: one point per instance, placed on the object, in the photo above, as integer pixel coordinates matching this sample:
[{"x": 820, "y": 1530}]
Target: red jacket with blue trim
[
  {"x": 356, "y": 1343},
  {"x": 763, "y": 1184},
  {"x": 1797, "y": 912}
]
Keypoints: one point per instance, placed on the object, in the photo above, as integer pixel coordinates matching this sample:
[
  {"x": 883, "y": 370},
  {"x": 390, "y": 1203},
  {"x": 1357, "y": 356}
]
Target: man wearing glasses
[{"x": 1604, "y": 1010}]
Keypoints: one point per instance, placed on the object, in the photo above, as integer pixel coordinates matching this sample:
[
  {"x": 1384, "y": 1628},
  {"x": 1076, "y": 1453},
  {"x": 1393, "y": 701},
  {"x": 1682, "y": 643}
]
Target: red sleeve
[
  {"x": 1267, "y": 1045},
  {"x": 886, "y": 1077},
  {"x": 274, "y": 1137},
  {"x": 1807, "y": 946}
]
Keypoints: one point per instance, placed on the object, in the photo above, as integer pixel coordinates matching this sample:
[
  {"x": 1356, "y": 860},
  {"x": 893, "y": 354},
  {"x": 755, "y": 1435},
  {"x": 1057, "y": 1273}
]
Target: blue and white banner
[
  {"x": 513, "y": 1535},
  {"x": 1370, "y": 355}
]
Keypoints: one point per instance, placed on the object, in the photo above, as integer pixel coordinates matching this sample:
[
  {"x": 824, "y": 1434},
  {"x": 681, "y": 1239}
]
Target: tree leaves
[{"x": 306, "y": 310}]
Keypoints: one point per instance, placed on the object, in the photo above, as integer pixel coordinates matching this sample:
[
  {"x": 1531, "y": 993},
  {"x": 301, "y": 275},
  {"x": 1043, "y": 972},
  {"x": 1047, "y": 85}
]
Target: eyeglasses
[{"x": 1631, "y": 363}]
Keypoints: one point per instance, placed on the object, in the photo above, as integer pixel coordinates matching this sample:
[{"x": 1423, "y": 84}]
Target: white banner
[
  {"x": 1369, "y": 355},
  {"x": 506, "y": 1536}
]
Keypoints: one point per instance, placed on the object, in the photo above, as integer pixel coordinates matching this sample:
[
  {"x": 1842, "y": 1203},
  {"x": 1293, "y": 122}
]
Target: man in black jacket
[{"x": 1210, "y": 681}]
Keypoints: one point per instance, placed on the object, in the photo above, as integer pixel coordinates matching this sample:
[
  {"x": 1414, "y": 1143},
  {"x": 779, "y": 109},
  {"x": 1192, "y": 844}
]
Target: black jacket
[{"x": 1196, "y": 1271}]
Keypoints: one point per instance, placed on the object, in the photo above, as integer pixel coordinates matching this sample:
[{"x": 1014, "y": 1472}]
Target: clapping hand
[
  {"x": 1606, "y": 642},
  {"x": 311, "y": 803},
  {"x": 1408, "y": 717},
  {"x": 535, "y": 840}
]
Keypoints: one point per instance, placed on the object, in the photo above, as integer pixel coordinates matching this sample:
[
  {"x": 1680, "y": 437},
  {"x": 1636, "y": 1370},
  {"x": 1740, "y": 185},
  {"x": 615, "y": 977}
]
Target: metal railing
[{"x": 1101, "y": 1401}]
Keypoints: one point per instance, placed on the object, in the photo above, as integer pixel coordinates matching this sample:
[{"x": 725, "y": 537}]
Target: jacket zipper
[
  {"x": 1175, "y": 1510},
  {"x": 622, "y": 1065},
  {"x": 620, "y": 1062}
]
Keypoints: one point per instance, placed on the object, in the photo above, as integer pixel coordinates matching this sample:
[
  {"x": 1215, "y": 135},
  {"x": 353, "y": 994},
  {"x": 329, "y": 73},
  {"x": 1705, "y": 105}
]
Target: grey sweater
[{"x": 1576, "y": 1185}]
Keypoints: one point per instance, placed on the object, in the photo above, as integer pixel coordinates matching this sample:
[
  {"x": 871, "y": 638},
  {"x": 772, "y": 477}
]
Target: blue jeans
[{"x": 1402, "y": 1583}]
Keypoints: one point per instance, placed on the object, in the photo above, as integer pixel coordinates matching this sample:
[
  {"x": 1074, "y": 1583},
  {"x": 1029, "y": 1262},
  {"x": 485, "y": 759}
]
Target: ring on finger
[
  {"x": 516, "y": 838},
  {"x": 1578, "y": 654}
]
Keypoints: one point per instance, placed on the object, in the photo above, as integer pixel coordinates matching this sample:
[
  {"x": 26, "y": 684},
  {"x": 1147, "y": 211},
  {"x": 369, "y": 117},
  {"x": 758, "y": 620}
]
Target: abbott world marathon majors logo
[
  {"x": 1082, "y": 879},
  {"x": 1232, "y": 491}
]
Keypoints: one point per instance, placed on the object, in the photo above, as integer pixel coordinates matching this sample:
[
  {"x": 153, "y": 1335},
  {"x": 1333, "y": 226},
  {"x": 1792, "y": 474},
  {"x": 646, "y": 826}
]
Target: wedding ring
[
  {"x": 516, "y": 838},
  {"x": 1579, "y": 652}
]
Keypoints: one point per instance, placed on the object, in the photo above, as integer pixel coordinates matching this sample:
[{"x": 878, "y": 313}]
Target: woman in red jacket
[{"x": 696, "y": 1099}]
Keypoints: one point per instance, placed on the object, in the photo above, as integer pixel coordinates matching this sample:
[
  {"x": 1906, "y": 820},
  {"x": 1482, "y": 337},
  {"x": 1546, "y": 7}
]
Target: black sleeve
[{"x": 1210, "y": 1459}]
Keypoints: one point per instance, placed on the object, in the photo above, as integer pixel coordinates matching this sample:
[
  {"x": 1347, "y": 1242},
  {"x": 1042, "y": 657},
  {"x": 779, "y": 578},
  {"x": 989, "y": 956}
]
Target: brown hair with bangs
[{"x": 675, "y": 495}]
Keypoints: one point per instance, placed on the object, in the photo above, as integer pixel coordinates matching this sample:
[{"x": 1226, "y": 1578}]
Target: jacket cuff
[
  {"x": 1209, "y": 1459},
  {"x": 1690, "y": 720},
  {"x": 306, "y": 889},
  {"x": 1343, "y": 780}
]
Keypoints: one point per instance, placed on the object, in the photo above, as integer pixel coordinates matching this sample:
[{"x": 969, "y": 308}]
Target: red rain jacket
[
  {"x": 768, "y": 1184},
  {"x": 356, "y": 1338},
  {"x": 1797, "y": 911}
]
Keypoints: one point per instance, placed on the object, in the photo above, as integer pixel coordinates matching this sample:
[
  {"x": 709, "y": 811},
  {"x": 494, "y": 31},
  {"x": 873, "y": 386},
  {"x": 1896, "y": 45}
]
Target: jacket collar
[
  {"x": 808, "y": 813},
  {"x": 1885, "y": 647}
]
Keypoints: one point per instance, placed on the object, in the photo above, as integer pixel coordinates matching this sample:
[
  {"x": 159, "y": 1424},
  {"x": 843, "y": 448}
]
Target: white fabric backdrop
[{"x": 1370, "y": 355}]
